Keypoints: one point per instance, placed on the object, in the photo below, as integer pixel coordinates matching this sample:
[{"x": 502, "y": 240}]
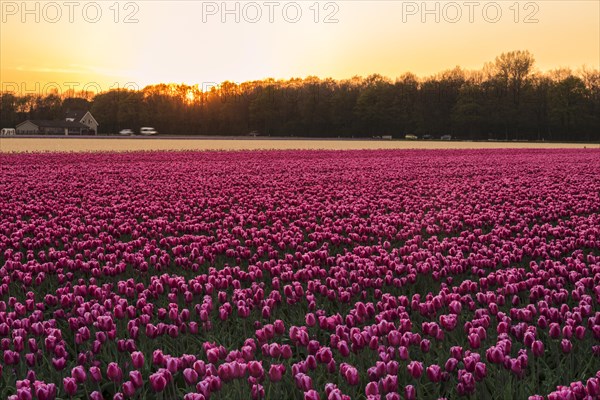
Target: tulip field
[{"x": 300, "y": 274}]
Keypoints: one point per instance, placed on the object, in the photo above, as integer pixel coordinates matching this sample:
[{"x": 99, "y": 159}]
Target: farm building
[
  {"x": 75, "y": 123},
  {"x": 84, "y": 117},
  {"x": 54, "y": 127}
]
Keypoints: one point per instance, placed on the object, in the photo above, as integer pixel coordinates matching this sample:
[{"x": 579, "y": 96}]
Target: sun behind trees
[{"x": 507, "y": 100}]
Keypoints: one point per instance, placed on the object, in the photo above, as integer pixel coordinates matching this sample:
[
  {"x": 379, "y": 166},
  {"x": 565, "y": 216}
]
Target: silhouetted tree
[{"x": 507, "y": 99}]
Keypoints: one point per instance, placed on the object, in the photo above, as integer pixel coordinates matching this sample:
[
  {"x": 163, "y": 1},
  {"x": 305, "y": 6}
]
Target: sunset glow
[{"x": 201, "y": 43}]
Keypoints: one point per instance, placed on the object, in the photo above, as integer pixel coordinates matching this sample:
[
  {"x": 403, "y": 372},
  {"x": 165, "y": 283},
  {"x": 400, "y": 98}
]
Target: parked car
[
  {"x": 427, "y": 137},
  {"x": 148, "y": 131},
  {"x": 8, "y": 132},
  {"x": 126, "y": 132},
  {"x": 411, "y": 137},
  {"x": 446, "y": 137}
]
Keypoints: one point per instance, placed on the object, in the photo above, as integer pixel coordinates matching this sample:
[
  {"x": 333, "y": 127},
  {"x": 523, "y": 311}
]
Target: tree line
[{"x": 506, "y": 100}]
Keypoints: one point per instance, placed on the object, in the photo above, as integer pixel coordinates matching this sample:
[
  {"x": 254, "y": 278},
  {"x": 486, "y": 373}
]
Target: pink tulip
[
  {"x": 425, "y": 345},
  {"x": 114, "y": 373},
  {"x": 410, "y": 392},
  {"x": 128, "y": 388},
  {"x": 70, "y": 386},
  {"x": 311, "y": 395},
  {"x": 137, "y": 359},
  {"x": 351, "y": 375},
  {"x": 158, "y": 382},
  {"x": 276, "y": 372},
  {"x": 136, "y": 379},
  {"x": 434, "y": 373},
  {"x": 95, "y": 374},
  {"x": 474, "y": 340},
  {"x": 96, "y": 396},
  {"x": 566, "y": 346},
  {"x": 537, "y": 348},
  {"x": 303, "y": 382},
  {"x": 78, "y": 373},
  {"x": 455, "y": 307},
  {"x": 371, "y": 389},
  {"x": 415, "y": 369},
  {"x": 257, "y": 392},
  {"x": 457, "y": 352},
  {"x": 593, "y": 386},
  {"x": 255, "y": 369},
  {"x": 480, "y": 371},
  {"x": 58, "y": 363},
  {"x": 403, "y": 353},
  {"x": 190, "y": 376},
  {"x": 23, "y": 394},
  {"x": 554, "y": 330}
]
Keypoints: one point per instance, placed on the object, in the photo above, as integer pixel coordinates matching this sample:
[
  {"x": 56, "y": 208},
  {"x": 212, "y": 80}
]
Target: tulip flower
[
  {"x": 96, "y": 396},
  {"x": 415, "y": 369},
  {"x": 537, "y": 348},
  {"x": 70, "y": 385},
  {"x": 158, "y": 382},
  {"x": 78, "y": 373},
  {"x": 95, "y": 374},
  {"x": 566, "y": 346},
  {"x": 434, "y": 373},
  {"x": 136, "y": 379},
  {"x": 410, "y": 392},
  {"x": 255, "y": 369},
  {"x": 351, "y": 375},
  {"x": 371, "y": 389},
  {"x": 276, "y": 372},
  {"x": 128, "y": 388},
  {"x": 311, "y": 395},
  {"x": 137, "y": 359},
  {"x": 480, "y": 371},
  {"x": 190, "y": 376},
  {"x": 114, "y": 373}
]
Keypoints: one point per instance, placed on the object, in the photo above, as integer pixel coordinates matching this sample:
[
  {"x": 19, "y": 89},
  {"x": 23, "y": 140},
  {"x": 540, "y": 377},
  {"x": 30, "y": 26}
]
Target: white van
[
  {"x": 148, "y": 131},
  {"x": 8, "y": 132}
]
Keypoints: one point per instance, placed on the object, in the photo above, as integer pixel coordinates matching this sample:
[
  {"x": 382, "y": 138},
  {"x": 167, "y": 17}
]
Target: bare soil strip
[{"x": 19, "y": 145}]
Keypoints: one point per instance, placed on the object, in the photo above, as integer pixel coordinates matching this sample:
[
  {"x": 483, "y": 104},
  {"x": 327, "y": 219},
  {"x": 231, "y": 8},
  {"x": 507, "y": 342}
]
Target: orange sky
[{"x": 199, "y": 42}]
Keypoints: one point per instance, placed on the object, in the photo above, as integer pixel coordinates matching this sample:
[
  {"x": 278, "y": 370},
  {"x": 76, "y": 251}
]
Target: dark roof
[
  {"x": 43, "y": 123},
  {"x": 76, "y": 114}
]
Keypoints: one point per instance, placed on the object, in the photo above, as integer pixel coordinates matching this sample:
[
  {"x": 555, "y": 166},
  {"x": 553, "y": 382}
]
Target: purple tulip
[
  {"x": 410, "y": 392},
  {"x": 128, "y": 389},
  {"x": 276, "y": 372},
  {"x": 70, "y": 386},
  {"x": 190, "y": 376},
  {"x": 566, "y": 346},
  {"x": 415, "y": 369},
  {"x": 114, "y": 373},
  {"x": 96, "y": 396},
  {"x": 255, "y": 369},
  {"x": 136, "y": 379},
  {"x": 434, "y": 373},
  {"x": 137, "y": 359},
  {"x": 95, "y": 374},
  {"x": 311, "y": 395},
  {"x": 537, "y": 348},
  {"x": 78, "y": 373},
  {"x": 158, "y": 382}
]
